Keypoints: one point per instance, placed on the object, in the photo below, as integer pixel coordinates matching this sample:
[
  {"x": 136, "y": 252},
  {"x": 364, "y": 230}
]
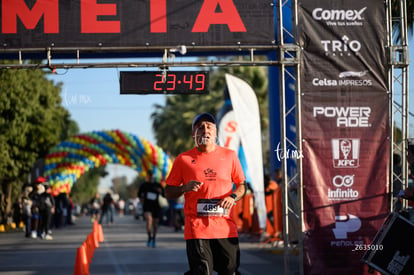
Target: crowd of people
[{"x": 40, "y": 211}]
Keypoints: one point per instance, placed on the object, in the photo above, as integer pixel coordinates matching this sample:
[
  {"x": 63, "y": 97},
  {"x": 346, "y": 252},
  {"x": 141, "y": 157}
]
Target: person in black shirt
[
  {"x": 148, "y": 194},
  {"x": 107, "y": 209},
  {"x": 46, "y": 210}
]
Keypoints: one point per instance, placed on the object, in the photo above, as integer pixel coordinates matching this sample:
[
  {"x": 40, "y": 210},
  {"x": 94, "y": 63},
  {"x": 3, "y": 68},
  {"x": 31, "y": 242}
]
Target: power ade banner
[
  {"x": 132, "y": 23},
  {"x": 345, "y": 130}
]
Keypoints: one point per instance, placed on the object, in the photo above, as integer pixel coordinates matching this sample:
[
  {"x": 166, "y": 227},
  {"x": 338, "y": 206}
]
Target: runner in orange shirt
[{"x": 205, "y": 175}]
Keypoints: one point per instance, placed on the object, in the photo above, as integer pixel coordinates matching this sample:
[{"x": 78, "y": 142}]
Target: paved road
[{"x": 123, "y": 252}]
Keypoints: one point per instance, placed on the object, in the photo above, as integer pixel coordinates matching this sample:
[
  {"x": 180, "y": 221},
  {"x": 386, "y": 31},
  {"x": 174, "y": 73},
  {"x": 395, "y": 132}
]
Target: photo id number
[{"x": 365, "y": 247}]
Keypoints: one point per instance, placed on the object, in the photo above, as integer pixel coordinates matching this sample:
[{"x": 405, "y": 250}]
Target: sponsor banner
[
  {"x": 334, "y": 113},
  {"x": 344, "y": 45},
  {"x": 345, "y": 195},
  {"x": 132, "y": 23},
  {"x": 345, "y": 130}
]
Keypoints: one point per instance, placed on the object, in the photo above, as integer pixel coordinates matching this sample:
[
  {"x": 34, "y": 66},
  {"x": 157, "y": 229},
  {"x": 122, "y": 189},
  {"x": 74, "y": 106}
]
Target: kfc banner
[
  {"x": 345, "y": 131},
  {"x": 345, "y": 171},
  {"x": 133, "y": 23}
]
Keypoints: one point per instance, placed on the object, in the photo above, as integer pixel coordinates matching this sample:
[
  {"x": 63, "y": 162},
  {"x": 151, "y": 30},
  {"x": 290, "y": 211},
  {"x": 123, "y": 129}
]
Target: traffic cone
[
  {"x": 89, "y": 248},
  {"x": 95, "y": 225},
  {"x": 81, "y": 263},
  {"x": 100, "y": 233},
  {"x": 94, "y": 239},
  {"x": 95, "y": 232}
]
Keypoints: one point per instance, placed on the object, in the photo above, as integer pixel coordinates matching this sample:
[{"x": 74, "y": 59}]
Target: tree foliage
[
  {"x": 172, "y": 121},
  {"x": 32, "y": 120}
]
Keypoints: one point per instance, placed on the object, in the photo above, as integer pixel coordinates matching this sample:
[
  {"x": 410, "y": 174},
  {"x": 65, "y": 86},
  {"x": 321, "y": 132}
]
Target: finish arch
[{"x": 71, "y": 158}]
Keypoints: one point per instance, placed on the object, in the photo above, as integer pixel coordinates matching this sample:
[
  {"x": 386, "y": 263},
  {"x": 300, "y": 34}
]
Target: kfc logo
[{"x": 345, "y": 152}]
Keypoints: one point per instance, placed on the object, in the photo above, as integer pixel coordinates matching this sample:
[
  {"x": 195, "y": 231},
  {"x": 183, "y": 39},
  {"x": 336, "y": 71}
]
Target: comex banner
[
  {"x": 132, "y": 23},
  {"x": 345, "y": 129}
]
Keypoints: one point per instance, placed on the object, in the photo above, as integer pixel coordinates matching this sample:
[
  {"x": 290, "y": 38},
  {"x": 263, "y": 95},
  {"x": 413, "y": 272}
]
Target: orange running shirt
[{"x": 218, "y": 170}]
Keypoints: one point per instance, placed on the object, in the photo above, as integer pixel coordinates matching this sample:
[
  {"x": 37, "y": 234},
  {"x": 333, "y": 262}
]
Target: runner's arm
[
  {"x": 229, "y": 201},
  {"x": 174, "y": 192},
  {"x": 240, "y": 191}
]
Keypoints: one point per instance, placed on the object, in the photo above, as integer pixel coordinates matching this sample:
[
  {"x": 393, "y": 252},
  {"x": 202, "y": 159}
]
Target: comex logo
[
  {"x": 345, "y": 152},
  {"x": 343, "y": 190},
  {"x": 339, "y": 17}
]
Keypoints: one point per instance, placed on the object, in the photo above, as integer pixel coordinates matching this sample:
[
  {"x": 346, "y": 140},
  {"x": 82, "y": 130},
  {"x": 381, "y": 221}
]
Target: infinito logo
[
  {"x": 342, "y": 190},
  {"x": 343, "y": 181}
]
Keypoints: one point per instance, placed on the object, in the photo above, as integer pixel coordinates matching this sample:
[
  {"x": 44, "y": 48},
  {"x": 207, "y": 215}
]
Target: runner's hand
[
  {"x": 226, "y": 203},
  {"x": 192, "y": 185}
]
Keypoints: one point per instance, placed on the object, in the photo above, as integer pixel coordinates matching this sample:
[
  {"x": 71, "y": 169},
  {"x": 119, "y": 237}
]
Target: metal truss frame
[
  {"x": 399, "y": 113},
  {"x": 399, "y": 97},
  {"x": 287, "y": 55}
]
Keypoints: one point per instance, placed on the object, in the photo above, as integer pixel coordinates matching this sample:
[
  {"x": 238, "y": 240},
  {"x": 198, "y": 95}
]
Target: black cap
[{"x": 203, "y": 117}]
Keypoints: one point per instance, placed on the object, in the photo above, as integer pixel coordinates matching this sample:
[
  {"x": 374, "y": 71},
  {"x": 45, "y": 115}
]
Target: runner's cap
[{"x": 203, "y": 117}]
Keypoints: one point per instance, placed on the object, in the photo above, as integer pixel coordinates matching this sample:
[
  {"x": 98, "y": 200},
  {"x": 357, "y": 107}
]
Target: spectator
[
  {"x": 95, "y": 206},
  {"x": 46, "y": 210},
  {"x": 61, "y": 209},
  {"x": 35, "y": 197},
  {"x": 27, "y": 210},
  {"x": 107, "y": 209},
  {"x": 121, "y": 207}
]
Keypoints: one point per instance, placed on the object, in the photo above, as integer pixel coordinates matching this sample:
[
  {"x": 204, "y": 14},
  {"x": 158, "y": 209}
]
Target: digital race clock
[{"x": 168, "y": 82}]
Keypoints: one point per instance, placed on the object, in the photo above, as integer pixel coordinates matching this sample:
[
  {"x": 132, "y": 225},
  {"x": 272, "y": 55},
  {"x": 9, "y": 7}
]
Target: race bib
[
  {"x": 151, "y": 196},
  {"x": 209, "y": 208}
]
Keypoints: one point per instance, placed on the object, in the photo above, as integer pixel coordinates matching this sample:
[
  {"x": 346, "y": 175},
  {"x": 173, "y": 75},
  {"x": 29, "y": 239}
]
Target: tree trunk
[{"x": 5, "y": 201}]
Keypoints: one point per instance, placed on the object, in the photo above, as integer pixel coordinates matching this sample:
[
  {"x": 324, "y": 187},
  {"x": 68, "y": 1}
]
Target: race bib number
[
  {"x": 209, "y": 208},
  {"x": 151, "y": 196}
]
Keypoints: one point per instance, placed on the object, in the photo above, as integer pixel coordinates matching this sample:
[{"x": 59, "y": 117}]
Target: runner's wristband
[{"x": 234, "y": 196}]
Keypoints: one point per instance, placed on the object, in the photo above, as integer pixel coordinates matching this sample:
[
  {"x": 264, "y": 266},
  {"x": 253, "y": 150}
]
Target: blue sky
[{"x": 94, "y": 101}]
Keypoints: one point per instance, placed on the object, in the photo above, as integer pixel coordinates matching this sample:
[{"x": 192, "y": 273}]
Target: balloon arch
[{"x": 67, "y": 161}]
